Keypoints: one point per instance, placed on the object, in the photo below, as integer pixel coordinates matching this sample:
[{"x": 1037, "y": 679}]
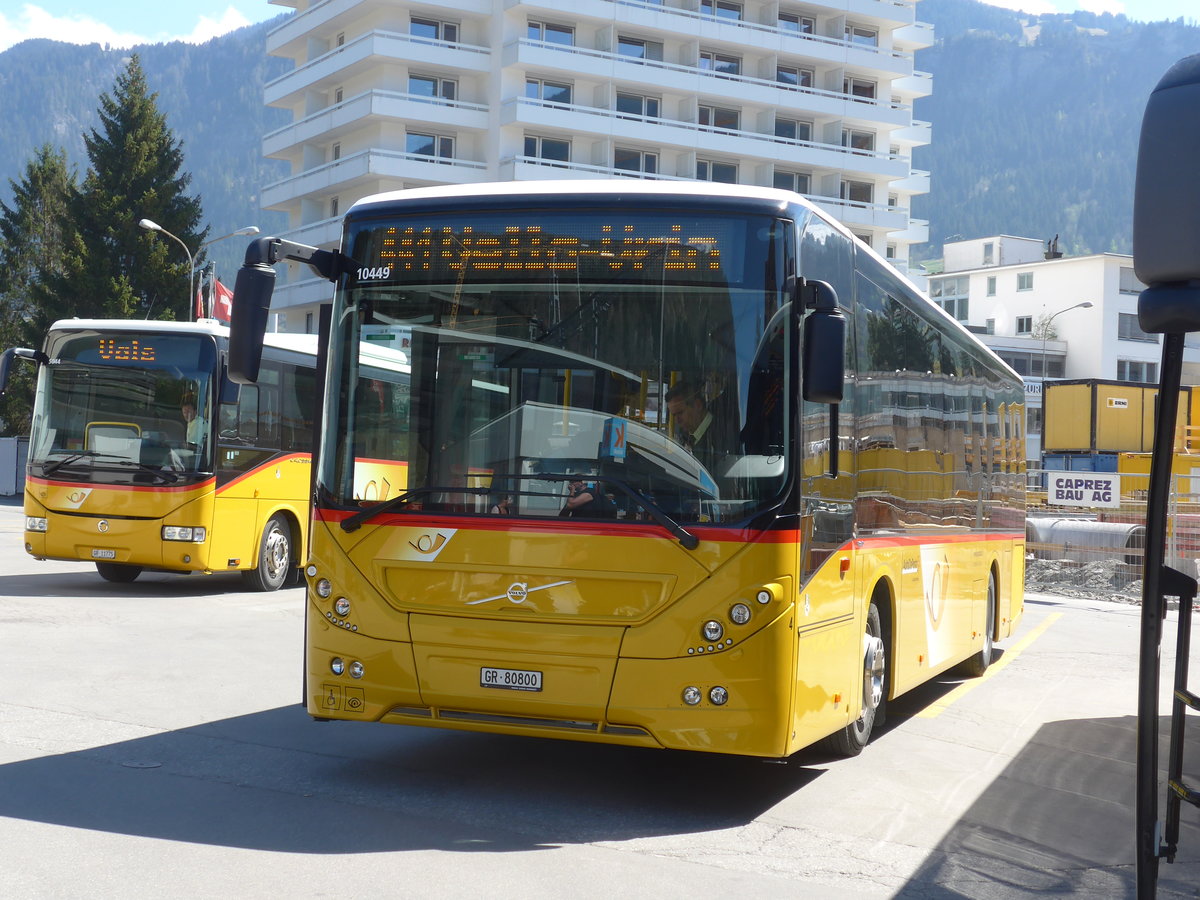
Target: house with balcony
[{"x": 815, "y": 96}]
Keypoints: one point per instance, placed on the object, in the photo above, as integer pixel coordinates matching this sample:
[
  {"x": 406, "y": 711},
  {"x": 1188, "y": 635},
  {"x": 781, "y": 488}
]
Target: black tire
[
  {"x": 274, "y": 557},
  {"x": 118, "y": 573},
  {"x": 851, "y": 740},
  {"x": 978, "y": 664}
]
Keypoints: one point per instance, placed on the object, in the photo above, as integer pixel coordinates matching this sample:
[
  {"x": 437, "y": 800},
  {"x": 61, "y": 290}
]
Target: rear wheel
[
  {"x": 851, "y": 740},
  {"x": 274, "y": 557},
  {"x": 978, "y": 664},
  {"x": 118, "y": 573}
]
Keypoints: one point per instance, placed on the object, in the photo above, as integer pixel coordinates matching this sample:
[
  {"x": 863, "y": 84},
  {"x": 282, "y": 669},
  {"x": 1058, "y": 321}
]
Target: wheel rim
[
  {"x": 873, "y": 670},
  {"x": 275, "y": 554}
]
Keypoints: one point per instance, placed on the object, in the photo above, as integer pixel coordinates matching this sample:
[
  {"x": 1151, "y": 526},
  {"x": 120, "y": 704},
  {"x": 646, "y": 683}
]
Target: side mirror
[
  {"x": 248, "y": 322},
  {"x": 6, "y": 358},
  {"x": 824, "y": 361},
  {"x": 1166, "y": 204}
]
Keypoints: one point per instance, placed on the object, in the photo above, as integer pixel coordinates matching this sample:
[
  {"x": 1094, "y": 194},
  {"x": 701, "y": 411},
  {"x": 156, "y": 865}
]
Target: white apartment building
[
  {"x": 811, "y": 95},
  {"x": 1050, "y": 316}
]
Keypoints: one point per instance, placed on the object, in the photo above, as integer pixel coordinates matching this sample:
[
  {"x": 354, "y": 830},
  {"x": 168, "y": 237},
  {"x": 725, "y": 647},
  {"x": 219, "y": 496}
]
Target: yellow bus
[
  {"x": 685, "y": 466},
  {"x": 143, "y": 455}
]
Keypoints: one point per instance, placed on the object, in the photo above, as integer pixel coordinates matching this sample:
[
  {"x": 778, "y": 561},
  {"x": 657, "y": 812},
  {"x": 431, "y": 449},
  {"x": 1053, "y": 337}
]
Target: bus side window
[{"x": 247, "y": 413}]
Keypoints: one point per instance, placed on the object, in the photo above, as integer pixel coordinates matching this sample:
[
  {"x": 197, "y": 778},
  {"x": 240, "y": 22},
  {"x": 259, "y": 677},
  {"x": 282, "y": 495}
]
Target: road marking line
[{"x": 936, "y": 709}]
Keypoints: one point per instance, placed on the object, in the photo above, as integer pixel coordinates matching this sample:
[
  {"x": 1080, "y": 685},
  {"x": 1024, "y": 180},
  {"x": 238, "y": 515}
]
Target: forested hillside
[{"x": 1035, "y": 120}]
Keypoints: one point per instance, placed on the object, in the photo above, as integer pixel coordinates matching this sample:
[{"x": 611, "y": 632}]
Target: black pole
[{"x": 1153, "y": 610}]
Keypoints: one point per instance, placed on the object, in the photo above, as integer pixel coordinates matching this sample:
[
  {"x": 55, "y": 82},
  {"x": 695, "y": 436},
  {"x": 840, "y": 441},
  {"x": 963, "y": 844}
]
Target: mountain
[
  {"x": 1035, "y": 119},
  {"x": 1036, "y": 122},
  {"x": 211, "y": 94}
]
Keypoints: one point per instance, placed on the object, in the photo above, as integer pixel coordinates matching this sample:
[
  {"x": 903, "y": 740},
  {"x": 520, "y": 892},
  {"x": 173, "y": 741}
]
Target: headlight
[
  {"x": 764, "y": 596},
  {"x": 739, "y": 614},
  {"x": 341, "y": 606},
  {"x": 713, "y": 630},
  {"x": 718, "y": 696},
  {"x": 324, "y": 588},
  {"x": 184, "y": 533},
  {"x": 35, "y": 523},
  {"x": 337, "y": 665},
  {"x": 691, "y": 695},
  {"x": 356, "y": 669}
]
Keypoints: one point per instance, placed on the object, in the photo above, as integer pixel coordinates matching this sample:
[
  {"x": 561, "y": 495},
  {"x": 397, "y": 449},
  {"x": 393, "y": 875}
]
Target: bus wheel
[
  {"x": 978, "y": 664},
  {"x": 118, "y": 573},
  {"x": 851, "y": 739},
  {"x": 274, "y": 558}
]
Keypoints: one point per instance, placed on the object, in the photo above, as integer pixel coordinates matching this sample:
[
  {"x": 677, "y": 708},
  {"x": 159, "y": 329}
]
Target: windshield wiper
[
  {"x": 688, "y": 540},
  {"x": 355, "y": 521},
  {"x": 48, "y": 468}
]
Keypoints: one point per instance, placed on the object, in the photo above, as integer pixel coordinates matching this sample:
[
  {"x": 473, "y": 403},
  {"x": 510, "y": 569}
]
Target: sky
[{"x": 123, "y": 23}]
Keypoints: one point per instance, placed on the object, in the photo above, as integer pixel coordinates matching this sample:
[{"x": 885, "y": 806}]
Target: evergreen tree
[
  {"x": 113, "y": 268},
  {"x": 31, "y": 246}
]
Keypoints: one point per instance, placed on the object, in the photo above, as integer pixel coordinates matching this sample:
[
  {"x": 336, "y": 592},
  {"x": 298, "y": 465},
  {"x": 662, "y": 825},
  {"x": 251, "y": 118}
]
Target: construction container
[{"x": 1096, "y": 416}]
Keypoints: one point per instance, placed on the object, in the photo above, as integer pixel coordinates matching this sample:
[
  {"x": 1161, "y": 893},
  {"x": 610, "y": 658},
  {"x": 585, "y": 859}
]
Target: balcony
[
  {"x": 287, "y": 38},
  {"x": 364, "y": 54},
  {"x": 671, "y": 133},
  {"x": 370, "y": 165},
  {"x": 853, "y": 213},
  {"x": 336, "y": 121},
  {"x": 543, "y": 56}
]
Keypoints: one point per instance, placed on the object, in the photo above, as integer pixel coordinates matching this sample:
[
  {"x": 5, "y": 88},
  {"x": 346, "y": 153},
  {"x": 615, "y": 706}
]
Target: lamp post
[
  {"x": 244, "y": 231},
  {"x": 1086, "y": 304},
  {"x": 151, "y": 225}
]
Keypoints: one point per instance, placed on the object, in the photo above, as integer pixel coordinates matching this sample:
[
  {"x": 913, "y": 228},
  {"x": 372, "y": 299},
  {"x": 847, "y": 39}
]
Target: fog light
[
  {"x": 739, "y": 614},
  {"x": 712, "y": 630},
  {"x": 324, "y": 588},
  {"x": 342, "y": 606},
  {"x": 337, "y": 666},
  {"x": 311, "y": 571},
  {"x": 35, "y": 523},
  {"x": 718, "y": 696},
  {"x": 764, "y": 596},
  {"x": 691, "y": 695},
  {"x": 356, "y": 669}
]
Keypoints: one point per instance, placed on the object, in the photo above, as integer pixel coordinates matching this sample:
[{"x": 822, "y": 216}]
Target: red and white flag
[{"x": 222, "y": 301}]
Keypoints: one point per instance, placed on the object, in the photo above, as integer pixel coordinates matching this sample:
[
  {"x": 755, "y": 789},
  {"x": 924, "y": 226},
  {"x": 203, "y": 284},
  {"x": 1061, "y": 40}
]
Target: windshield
[
  {"x": 591, "y": 363},
  {"x": 124, "y": 407}
]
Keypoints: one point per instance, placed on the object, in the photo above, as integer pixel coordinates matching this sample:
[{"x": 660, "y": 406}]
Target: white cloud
[{"x": 34, "y": 22}]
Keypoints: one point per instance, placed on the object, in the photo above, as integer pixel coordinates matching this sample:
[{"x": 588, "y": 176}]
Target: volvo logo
[
  {"x": 102, "y": 526},
  {"x": 517, "y": 592}
]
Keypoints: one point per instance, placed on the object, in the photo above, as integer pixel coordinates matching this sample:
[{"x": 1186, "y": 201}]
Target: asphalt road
[{"x": 152, "y": 745}]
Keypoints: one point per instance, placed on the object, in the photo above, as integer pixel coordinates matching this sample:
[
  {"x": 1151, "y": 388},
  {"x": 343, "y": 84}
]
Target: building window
[
  {"x": 859, "y": 88},
  {"x": 553, "y": 149},
  {"x": 721, "y": 63},
  {"x": 333, "y": 207},
  {"x": 335, "y": 151},
  {"x": 1137, "y": 371},
  {"x": 793, "y": 129},
  {"x": 857, "y": 34},
  {"x": 1129, "y": 329},
  {"x": 550, "y": 91},
  {"x": 1024, "y": 324},
  {"x": 798, "y": 24},
  {"x": 1024, "y": 281},
  {"x": 636, "y": 48},
  {"x": 337, "y": 96},
  {"x": 862, "y": 142},
  {"x": 637, "y": 105},
  {"x": 989, "y": 326},
  {"x": 627, "y": 160},
  {"x": 722, "y": 9},
  {"x": 792, "y": 181},
  {"x": 720, "y": 118},
  {"x": 794, "y": 76},
  {"x": 1129, "y": 281},
  {"x": 308, "y": 323},
  {"x": 341, "y": 39},
  {"x": 991, "y": 285},
  {"x": 865, "y": 238},
  {"x": 858, "y": 192},
  {"x": 551, "y": 33},
  {"x": 433, "y": 29},
  {"x": 951, "y": 295},
  {"x": 989, "y": 253},
  {"x": 433, "y": 87},
  {"x": 710, "y": 170},
  {"x": 889, "y": 252},
  {"x": 429, "y": 145}
]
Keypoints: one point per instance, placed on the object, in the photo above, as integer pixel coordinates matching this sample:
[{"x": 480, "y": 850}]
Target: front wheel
[
  {"x": 274, "y": 558},
  {"x": 117, "y": 572},
  {"x": 851, "y": 740}
]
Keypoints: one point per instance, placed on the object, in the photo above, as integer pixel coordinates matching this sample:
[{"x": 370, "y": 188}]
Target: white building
[
  {"x": 1050, "y": 316},
  {"x": 812, "y": 95}
]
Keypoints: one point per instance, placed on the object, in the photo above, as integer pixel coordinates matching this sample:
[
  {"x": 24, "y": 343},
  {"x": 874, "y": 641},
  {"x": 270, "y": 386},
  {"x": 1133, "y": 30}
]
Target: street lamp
[
  {"x": 244, "y": 231},
  {"x": 1086, "y": 304},
  {"x": 151, "y": 225}
]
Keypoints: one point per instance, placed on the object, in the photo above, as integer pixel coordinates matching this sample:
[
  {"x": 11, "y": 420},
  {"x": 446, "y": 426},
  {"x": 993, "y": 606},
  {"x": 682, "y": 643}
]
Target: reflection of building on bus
[
  {"x": 143, "y": 456},
  {"x": 861, "y": 532}
]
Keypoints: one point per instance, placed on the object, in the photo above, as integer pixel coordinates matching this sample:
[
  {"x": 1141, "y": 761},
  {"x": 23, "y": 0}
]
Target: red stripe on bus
[{"x": 274, "y": 460}]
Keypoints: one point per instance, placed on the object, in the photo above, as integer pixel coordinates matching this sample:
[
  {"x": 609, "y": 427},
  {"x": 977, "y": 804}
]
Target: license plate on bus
[
  {"x": 510, "y": 679},
  {"x": 104, "y": 554}
]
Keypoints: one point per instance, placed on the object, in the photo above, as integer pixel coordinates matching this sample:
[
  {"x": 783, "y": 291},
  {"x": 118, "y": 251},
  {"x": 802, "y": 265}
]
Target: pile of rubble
[{"x": 1102, "y": 580}]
